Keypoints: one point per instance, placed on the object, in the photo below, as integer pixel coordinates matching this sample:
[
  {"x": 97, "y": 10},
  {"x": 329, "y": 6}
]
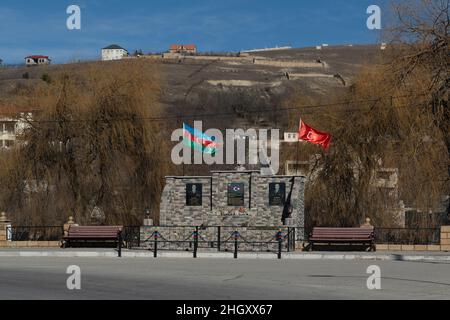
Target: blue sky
[{"x": 39, "y": 26}]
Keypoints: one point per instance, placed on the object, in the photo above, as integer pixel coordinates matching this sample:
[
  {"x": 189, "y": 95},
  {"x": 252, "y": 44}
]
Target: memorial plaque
[
  {"x": 194, "y": 194},
  {"x": 277, "y": 194},
  {"x": 236, "y": 194}
]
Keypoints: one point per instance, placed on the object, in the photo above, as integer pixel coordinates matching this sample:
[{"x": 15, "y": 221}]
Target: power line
[{"x": 307, "y": 108}]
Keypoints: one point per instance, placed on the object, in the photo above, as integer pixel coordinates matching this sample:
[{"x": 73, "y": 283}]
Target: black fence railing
[
  {"x": 408, "y": 236},
  {"x": 218, "y": 238},
  {"x": 131, "y": 236},
  {"x": 35, "y": 233},
  {"x": 276, "y": 240}
]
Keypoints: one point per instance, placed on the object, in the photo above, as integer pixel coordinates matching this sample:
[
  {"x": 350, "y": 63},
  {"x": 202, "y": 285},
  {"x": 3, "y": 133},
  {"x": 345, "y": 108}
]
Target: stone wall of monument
[{"x": 214, "y": 209}]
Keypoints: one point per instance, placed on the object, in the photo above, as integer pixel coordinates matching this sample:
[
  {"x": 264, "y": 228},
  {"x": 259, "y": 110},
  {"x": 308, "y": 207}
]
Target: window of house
[
  {"x": 9, "y": 143},
  {"x": 277, "y": 194},
  {"x": 193, "y": 194},
  {"x": 9, "y": 128},
  {"x": 384, "y": 175},
  {"x": 236, "y": 194}
]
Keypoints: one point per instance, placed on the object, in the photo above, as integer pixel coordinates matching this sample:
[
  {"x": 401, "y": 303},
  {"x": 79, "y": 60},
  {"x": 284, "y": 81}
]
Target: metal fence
[
  {"x": 35, "y": 233},
  {"x": 131, "y": 236},
  {"x": 223, "y": 238},
  {"x": 407, "y": 236},
  {"x": 217, "y": 238}
]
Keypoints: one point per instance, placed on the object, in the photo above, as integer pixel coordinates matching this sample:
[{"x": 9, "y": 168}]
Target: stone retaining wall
[
  {"x": 398, "y": 247},
  {"x": 30, "y": 244},
  {"x": 445, "y": 238}
]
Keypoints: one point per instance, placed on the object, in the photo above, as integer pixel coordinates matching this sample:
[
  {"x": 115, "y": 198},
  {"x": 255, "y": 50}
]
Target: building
[
  {"x": 113, "y": 52},
  {"x": 292, "y": 167},
  {"x": 291, "y": 137},
  {"x": 12, "y": 123},
  {"x": 183, "y": 49},
  {"x": 384, "y": 184},
  {"x": 37, "y": 60},
  {"x": 234, "y": 198}
]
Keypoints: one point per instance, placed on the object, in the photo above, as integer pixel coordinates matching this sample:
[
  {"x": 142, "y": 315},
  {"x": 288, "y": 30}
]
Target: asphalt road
[{"x": 209, "y": 279}]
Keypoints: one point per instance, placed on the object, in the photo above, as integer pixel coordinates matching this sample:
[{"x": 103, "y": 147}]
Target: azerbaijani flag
[{"x": 198, "y": 140}]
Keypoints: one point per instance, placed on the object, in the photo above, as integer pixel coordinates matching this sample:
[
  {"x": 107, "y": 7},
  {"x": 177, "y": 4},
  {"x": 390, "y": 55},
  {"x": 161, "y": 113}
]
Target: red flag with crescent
[{"x": 312, "y": 135}]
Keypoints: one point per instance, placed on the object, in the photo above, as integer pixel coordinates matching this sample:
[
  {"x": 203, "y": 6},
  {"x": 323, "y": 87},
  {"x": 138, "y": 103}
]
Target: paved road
[{"x": 113, "y": 278}]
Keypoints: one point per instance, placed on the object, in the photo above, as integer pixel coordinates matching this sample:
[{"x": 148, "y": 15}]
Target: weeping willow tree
[
  {"x": 394, "y": 115},
  {"x": 376, "y": 128},
  {"x": 91, "y": 148}
]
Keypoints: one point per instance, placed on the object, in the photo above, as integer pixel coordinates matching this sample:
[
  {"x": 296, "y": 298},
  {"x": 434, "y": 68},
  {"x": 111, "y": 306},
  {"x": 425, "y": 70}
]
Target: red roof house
[
  {"x": 183, "y": 48},
  {"x": 37, "y": 60}
]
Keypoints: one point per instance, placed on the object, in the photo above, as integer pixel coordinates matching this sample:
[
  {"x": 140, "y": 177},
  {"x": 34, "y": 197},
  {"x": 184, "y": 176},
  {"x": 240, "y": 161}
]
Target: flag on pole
[
  {"x": 198, "y": 140},
  {"x": 312, "y": 135}
]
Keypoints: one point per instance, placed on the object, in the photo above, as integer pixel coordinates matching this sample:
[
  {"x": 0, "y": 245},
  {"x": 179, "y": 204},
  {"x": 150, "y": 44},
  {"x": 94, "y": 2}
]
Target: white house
[
  {"x": 37, "y": 60},
  {"x": 113, "y": 52},
  {"x": 12, "y": 123}
]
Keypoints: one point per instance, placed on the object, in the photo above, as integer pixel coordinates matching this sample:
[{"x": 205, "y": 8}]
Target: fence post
[
  {"x": 236, "y": 235},
  {"x": 218, "y": 238},
  {"x": 195, "y": 242},
  {"x": 280, "y": 242},
  {"x": 139, "y": 237},
  {"x": 294, "y": 239},
  {"x": 155, "y": 249},
  {"x": 289, "y": 240},
  {"x": 119, "y": 236}
]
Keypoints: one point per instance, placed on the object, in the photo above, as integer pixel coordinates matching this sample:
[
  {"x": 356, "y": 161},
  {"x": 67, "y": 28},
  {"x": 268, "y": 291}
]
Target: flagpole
[
  {"x": 298, "y": 146},
  {"x": 184, "y": 129}
]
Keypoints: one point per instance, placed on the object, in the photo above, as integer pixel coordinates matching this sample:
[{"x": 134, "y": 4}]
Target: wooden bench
[
  {"x": 93, "y": 235},
  {"x": 342, "y": 236}
]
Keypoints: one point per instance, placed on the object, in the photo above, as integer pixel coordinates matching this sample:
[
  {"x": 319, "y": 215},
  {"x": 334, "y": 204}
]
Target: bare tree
[
  {"x": 375, "y": 126},
  {"x": 421, "y": 42}
]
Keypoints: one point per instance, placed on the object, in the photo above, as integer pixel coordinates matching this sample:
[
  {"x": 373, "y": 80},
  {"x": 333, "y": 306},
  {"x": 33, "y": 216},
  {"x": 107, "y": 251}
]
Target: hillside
[
  {"x": 234, "y": 85},
  {"x": 310, "y": 70}
]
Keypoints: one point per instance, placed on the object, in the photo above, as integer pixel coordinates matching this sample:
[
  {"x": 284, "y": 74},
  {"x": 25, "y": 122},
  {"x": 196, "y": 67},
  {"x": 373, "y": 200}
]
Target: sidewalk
[{"x": 111, "y": 253}]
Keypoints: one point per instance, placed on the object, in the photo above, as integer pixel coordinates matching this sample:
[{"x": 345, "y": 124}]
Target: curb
[{"x": 226, "y": 255}]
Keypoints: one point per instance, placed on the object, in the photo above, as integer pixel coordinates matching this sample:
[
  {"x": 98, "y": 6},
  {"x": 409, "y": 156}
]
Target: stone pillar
[
  {"x": 289, "y": 222},
  {"x": 148, "y": 222},
  {"x": 67, "y": 225},
  {"x": 445, "y": 238},
  {"x": 4, "y": 224},
  {"x": 367, "y": 224}
]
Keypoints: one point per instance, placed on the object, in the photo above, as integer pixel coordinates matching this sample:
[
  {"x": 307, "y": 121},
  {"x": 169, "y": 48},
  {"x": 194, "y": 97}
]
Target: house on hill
[
  {"x": 183, "y": 49},
  {"x": 12, "y": 122},
  {"x": 37, "y": 60},
  {"x": 113, "y": 52}
]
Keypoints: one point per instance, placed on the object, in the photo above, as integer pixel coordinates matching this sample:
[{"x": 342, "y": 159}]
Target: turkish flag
[{"x": 312, "y": 135}]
